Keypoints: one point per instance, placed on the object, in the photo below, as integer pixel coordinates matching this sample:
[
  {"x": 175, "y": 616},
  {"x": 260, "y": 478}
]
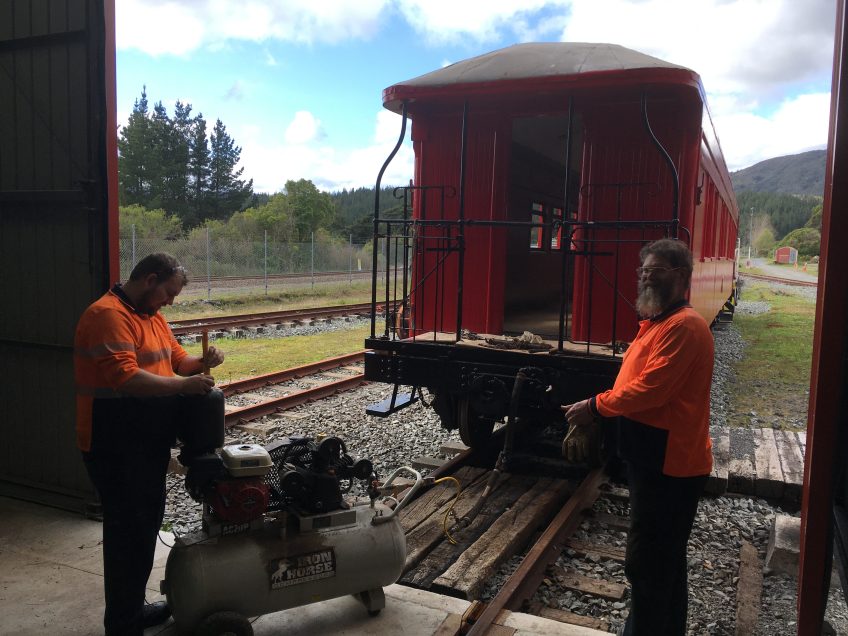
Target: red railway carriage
[{"x": 540, "y": 172}]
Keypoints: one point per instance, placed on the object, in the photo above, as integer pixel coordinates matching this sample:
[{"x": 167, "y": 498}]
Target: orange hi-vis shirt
[
  {"x": 664, "y": 382},
  {"x": 112, "y": 343}
]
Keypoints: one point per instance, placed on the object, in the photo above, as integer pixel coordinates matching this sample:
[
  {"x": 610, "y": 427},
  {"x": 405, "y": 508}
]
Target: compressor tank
[{"x": 283, "y": 564}]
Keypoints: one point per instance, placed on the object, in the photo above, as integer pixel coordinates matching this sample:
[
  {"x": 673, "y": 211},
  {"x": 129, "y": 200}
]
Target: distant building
[{"x": 786, "y": 254}]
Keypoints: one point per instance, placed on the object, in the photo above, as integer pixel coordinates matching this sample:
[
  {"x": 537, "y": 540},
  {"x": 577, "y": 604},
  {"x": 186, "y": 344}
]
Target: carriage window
[
  {"x": 537, "y": 215},
  {"x": 556, "y": 232}
]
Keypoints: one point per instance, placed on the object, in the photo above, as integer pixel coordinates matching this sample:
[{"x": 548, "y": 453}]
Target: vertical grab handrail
[
  {"x": 565, "y": 248},
  {"x": 460, "y": 239},
  {"x": 377, "y": 230},
  {"x": 675, "y": 177}
]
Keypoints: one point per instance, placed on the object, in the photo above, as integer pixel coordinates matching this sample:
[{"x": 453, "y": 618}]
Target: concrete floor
[{"x": 51, "y": 582}]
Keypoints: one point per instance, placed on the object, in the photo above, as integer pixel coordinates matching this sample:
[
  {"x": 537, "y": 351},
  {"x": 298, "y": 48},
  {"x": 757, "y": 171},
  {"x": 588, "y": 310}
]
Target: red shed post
[{"x": 827, "y": 383}]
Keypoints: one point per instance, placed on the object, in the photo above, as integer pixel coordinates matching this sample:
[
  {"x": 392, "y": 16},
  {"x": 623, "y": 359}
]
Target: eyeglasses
[{"x": 640, "y": 271}]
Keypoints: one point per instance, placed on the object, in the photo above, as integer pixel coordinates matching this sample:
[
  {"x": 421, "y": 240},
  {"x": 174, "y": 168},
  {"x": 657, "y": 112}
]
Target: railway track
[
  {"x": 253, "y": 398},
  {"x": 276, "y": 277},
  {"x": 521, "y": 506},
  {"x": 783, "y": 281},
  {"x": 186, "y": 327}
]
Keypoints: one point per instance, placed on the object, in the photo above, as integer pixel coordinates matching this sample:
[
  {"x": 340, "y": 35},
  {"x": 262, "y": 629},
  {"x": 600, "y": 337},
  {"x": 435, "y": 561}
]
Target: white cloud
[
  {"x": 448, "y": 21},
  {"x": 798, "y": 124},
  {"x": 159, "y": 27},
  {"x": 305, "y": 127},
  {"x": 765, "y": 64},
  {"x": 271, "y": 163}
]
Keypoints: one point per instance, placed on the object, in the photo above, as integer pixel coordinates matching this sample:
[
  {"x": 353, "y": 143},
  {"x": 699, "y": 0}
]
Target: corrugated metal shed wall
[{"x": 53, "y": 233}]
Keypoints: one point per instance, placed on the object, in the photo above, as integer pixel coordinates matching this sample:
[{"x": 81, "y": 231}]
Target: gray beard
[{"x": 652, "y": 301}]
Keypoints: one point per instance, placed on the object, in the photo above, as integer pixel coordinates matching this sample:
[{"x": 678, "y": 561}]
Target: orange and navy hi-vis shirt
[
  {"x": 664, "y": 383},
  {"x": 112, "y": 343}
]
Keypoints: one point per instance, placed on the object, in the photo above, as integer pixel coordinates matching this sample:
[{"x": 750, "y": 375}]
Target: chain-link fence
[{"x": 216, "y": 264}]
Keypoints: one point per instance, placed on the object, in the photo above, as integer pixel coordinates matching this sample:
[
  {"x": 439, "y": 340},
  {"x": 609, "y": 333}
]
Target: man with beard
[
  {"x": 130, "y": 371},
  {"x": 662, "y": 400}
]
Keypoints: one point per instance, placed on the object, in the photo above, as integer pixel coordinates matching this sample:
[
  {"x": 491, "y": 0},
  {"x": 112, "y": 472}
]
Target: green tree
[
  {"x": 815, "y": 218},
  {"x": 148, "y": 223},
  {"x": 198, "y": 171},
  {"x": 227, "y": 191},
  {"x": 135, "y": 155},
  {"x": 273, "y": 217},
  {"x": 310, "y": 208},
  {"x": 764, "y": 241},
  {"x": 806, "y": 240}
]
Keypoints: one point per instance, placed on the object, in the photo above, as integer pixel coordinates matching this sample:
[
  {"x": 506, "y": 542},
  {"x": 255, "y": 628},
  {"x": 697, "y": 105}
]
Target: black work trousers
[
  {"x": 127, "y": 464},
  {"x": 662, "y": 511}
]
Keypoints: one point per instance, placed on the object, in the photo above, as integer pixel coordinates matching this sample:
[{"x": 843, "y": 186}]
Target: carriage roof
[{"x": 541, "y": 64}]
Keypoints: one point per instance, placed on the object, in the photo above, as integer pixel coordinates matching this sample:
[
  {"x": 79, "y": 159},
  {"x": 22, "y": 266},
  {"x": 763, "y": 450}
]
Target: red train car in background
[{"x": 540, "y": 171}]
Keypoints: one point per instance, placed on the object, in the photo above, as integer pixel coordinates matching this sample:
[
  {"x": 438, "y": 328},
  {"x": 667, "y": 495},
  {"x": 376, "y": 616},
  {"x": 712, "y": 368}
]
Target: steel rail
[
  {"x": 183, "y": 327},
  {"x": 260, "y": 381},
  {"x": 295, "y": 276},
  {"x": 784, "y": 281},
  {"x": 524, "y": 582},
  {"x": 254, "y": 411}
]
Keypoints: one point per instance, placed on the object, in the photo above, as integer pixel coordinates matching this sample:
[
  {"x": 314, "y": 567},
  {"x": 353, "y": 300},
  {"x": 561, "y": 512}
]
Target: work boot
[{"x": 155, "y": 614}]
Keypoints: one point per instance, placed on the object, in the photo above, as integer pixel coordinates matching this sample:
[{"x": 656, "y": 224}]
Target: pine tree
[
  {"x": 134, "y": 155},
  {"x": 198, "y": 171},
  {"x": 227, "y": 192},
  {"x": 182, "y": 128}
]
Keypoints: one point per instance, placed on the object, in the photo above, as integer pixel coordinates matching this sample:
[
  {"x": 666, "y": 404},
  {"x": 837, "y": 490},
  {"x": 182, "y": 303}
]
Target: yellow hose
[{"x": 450, "y": 509}]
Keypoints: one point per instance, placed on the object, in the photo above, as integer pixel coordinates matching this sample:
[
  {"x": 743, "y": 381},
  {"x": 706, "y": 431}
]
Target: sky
[{"x": 298, "y": 83}]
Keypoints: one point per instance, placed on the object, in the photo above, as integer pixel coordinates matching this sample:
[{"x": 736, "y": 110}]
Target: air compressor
[{"x": 277, "y": 531}]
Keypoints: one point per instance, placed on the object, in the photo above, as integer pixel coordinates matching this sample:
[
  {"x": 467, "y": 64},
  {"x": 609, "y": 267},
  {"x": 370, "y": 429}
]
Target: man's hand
[
  {"x": 578, "y": 414},
  {"x": 199, "y": 384},
  {"x": 213, "y": 357},
  {"x": 578, "y": 445}
]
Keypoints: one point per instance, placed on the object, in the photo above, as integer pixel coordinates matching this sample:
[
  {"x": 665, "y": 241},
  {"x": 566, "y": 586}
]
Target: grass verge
[
  {"x": 249, "y": 357},
  {"x": 773, "y": 378}
]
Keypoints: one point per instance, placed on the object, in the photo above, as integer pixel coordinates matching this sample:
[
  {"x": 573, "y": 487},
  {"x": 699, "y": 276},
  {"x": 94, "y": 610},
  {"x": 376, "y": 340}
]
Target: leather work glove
[{"x": 580, "y": 445}]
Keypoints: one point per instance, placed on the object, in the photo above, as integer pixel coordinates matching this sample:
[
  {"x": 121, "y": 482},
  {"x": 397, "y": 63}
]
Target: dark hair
[
  {"x": 673, "y": 252},
  {"x": 162, "y": 264}
]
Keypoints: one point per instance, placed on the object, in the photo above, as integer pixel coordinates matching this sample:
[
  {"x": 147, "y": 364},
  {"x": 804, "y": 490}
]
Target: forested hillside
[{"x": 801, "y": 174}]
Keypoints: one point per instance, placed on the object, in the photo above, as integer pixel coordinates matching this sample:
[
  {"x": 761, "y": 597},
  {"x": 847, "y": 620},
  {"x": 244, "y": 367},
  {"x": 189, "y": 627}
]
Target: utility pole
[{"x": 751, "y": 236}]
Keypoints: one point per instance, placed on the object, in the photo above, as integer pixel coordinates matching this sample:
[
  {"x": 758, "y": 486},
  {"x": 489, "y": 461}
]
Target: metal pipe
[
  {"x": 565, "y": 251},
  {"x": 667, "y": 157},
  {"x": 377, "y": 223},
  {"x": 460, "y": 239}
]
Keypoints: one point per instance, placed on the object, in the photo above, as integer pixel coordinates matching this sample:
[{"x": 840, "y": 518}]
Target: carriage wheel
[
  {"x": 225, "y": 624},
  {"x": 474, "y": 430}
]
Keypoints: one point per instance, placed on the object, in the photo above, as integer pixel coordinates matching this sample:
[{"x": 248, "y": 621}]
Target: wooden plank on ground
[
  {"x": 769, "y": 482},
  {"x": 452, "y": 447},
  {"x": 740, "y": 466},
  {"x": 614, "y": 492},
  {"x": 427, "y": 534},
  {"x": 604, "y": 551},
  {"x": 564, "y": 616},
  {"x": 791, "y": 462},
  {"x": 717, "y": 483},
  {"x": 429, "y": 503},
  {"x": 573, "y": 580},
  {"x": 749, "y": 590},
  {"x": 613, "y": 522},
  {"x": 445, "y": 555},
  {"x": 802, "y": 442},
  {"x": 427, "y": 463},
  {"x": 503, "y": 538}
]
